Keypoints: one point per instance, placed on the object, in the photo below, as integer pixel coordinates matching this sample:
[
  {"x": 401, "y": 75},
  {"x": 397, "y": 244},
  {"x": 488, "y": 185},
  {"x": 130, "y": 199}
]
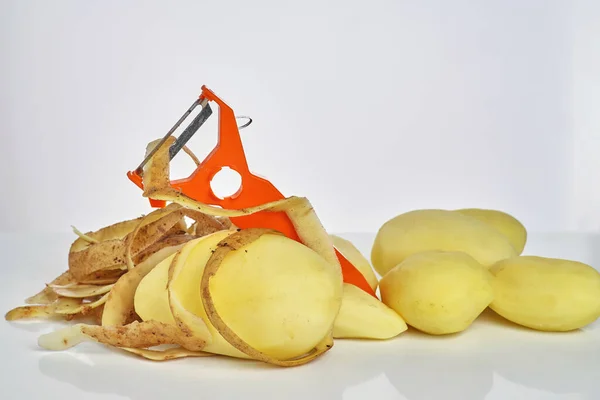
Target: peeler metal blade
[
  {"x": 191, "y": 129},
  {"x": 185, "y": 136}
]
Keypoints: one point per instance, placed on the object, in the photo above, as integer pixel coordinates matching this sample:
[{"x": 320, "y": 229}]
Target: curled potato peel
[
  {"x": 80, "y": 290},
  {"x": 60, "y": 307},
  {"x": 47, "y": 295},
  {"x": 134, "y": 335},
  {"x": 88, "y": 259},
  {"x": 168, "y": 354},
  {"x": 175, "y": 241},
  {"x": 43, "y": 310},
  {"x": 117, "y": 246},
  {"x": 98, "y": 259},
  {"x": 84, "y": 289}
]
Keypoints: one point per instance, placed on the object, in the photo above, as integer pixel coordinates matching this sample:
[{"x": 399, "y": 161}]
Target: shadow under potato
[{"x": 492, "y": 317}]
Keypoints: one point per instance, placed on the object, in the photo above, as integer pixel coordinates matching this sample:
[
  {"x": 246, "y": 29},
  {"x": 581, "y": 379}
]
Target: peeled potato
[
  {"x": 362, "y": 316},
  {"x": 508, "y": 225},
  {"x": 423, "y": 230},
  {"x": 353, "y": 255},
  {"x": 438, "y": 292},
  {"x": 546, "y": 294},
  {"x": 276, "y": 294}
]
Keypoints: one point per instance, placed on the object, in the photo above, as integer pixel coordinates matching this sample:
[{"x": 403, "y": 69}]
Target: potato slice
[
  {"x": 508, "y": 225},
  {"x": 423, "y": 230},
  {"x": 438, "y": 292},
  {"x": 119, "y": 308},
  {"x": 546, "y": 294},
  {"x": 364, "y": 317},
  {"x": 80, "y": 290},
  {"x": 183, "y": 296},
  {"x": 353, "y": 255},
  {"x": 151, "y": 301}
]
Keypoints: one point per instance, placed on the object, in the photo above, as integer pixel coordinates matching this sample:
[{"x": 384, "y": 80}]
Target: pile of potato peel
[
  {"x": 183, "y": 281},
  {"x": 161, "y": 288}
]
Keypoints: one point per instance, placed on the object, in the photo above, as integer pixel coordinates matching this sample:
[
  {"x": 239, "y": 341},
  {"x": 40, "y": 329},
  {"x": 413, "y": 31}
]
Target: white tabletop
[{"x": 492, "y": 360}]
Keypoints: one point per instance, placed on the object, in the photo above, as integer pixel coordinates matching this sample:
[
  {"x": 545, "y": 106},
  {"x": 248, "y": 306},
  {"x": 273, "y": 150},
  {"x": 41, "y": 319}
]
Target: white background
[{"x": 369, "y": 109}]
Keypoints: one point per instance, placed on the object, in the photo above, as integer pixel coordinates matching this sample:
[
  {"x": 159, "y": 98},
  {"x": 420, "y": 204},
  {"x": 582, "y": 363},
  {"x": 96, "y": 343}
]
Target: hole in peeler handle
[{"x": 226, "y": 183}]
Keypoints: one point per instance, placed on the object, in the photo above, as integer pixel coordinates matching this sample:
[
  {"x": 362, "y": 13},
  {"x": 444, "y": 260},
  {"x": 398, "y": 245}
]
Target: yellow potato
[
  {"x": 353, "y": 255},
  {"x": 438, "y": 292},
  {"x": 508, "y": 225},
  {"x": 276, "y": 294},
  {"x": 362, "y": 316},
  {"x": 424, "y": 230},
  {"x": 546, "y": 294}
]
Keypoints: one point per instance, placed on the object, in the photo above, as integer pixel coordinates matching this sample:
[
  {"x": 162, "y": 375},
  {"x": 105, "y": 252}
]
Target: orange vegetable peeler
[{"x": 253, "y": 190}]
